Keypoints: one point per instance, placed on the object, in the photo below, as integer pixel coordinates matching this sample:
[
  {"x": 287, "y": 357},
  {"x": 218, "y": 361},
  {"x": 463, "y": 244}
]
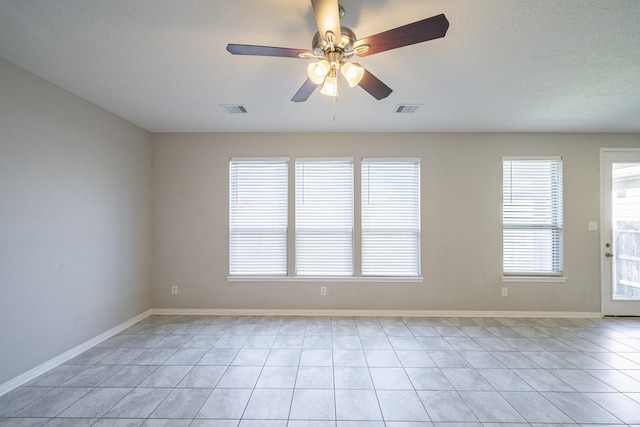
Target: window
[
  {"x": 323, "y": 208},
  {"x": 532, "y": 216},
  {"x": 390, "y": 217},
  {"x": 258, "y": 217},
  {"x": 324, "y": 217}
]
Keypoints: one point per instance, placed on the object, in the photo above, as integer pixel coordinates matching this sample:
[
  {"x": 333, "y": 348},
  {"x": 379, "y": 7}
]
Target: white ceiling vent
[
  {"x": 234, "y": 108},
  {"x": 408, "y": 108}
]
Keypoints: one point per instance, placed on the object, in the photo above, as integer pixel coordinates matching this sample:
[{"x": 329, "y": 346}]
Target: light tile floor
[{"x": 344, "y": 372}]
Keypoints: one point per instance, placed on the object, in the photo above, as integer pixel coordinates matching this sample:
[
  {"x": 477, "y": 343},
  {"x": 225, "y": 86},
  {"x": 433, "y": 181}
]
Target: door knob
[{"x": 608, "y": 255}]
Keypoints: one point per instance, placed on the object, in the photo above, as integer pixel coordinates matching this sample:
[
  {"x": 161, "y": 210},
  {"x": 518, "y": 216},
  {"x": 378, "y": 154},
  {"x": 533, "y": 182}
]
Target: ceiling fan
[{"x": 333, "y": 46}]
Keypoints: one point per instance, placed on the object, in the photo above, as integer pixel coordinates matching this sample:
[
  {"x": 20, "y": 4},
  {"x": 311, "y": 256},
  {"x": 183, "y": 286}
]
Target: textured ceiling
[{"x": 504, "y": 65}]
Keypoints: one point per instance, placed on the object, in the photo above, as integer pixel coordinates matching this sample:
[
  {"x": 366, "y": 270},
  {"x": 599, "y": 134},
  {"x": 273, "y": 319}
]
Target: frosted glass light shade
[
  {"x": 318, "y": 70},
  {"x": 330, "y": 86},
  {"x": 352, "y": 73}
]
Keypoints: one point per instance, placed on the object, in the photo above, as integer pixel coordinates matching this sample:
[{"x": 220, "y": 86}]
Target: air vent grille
[
  {"x": 235, "y": 108},
  {"x": 408, "y": 108}
]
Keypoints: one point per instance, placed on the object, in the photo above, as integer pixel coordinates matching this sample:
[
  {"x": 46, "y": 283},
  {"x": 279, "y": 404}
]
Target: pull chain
[{"x": 335, "y": 99}]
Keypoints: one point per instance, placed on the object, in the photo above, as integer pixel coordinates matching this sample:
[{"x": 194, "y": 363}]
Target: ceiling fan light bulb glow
[
  {"x": 318, "y": 70},
  {"x": 330, "y": 86},
  {"x": 352, "y": 73}
]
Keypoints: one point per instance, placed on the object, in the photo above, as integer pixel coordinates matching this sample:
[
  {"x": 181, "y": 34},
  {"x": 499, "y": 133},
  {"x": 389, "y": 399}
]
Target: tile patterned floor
[{"x": 344, "y": 372}]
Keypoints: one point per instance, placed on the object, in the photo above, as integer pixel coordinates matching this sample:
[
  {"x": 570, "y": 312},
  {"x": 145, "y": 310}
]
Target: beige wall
[
  {"x": 75, "y": 221},
  {"x": 461, "y": 222}
]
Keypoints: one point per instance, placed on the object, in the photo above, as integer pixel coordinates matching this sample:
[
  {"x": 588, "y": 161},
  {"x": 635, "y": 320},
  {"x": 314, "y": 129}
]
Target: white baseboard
[
  {"x": 68, "y": 355},
  {"x": 376, "y": 313}
]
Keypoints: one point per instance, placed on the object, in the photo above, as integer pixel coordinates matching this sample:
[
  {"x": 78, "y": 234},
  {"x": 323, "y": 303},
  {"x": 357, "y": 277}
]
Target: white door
[{"x": 620, "y": 235}]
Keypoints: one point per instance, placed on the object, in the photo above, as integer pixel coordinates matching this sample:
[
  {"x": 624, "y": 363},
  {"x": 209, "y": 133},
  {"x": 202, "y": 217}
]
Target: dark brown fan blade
[
  {"x": 249, "y": 49},
  {"x": 327, "y": 16},
  {"x": 417, "y": 32},
  {"x": 374, "y": 85},
  {"x": 305, "y": 91}
]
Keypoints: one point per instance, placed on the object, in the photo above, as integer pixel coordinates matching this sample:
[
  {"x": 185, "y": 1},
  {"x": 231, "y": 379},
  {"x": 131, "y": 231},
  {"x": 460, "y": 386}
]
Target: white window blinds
[
  {"x": 390, "y": 217},
  {"x": 258, "y": 217},
  {"x": 324, "y": 217},
  {"x": 532, "y": 216}
]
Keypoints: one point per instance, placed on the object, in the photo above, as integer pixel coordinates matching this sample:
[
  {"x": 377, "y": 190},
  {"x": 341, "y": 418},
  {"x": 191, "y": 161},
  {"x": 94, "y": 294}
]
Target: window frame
[
  {"x": 356, "y": 234},
  {"x": 282, "y": 161},
  {"x": 301, "y": 224},
  {"x": 371, "y": 215},
  {"x": 556, "y": 224}
]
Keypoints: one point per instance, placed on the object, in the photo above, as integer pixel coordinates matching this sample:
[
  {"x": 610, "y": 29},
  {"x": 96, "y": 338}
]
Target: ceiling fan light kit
[
  {"x": 334, "y": 45},
  {"x": 325, "y": 72}
]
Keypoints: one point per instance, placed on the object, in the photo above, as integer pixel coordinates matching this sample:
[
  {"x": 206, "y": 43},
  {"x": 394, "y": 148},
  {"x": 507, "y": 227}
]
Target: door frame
[{"x": 605, "y": 269}]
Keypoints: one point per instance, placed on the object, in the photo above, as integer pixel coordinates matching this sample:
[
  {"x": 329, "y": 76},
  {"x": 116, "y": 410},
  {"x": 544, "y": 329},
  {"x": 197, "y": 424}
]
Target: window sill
[
  {"x": 534, "y": 279},
  {"x": 329, "y": 279}
]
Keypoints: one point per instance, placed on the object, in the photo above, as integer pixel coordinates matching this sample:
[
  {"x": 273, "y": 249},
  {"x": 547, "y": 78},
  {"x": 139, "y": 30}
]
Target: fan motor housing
[{"x": 345, "y": 44}]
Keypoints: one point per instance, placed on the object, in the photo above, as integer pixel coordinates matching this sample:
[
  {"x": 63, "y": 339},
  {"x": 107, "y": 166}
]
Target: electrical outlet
[
  {"x": 323, "y": 290},
  {"x": 505, "y": 292},
  {"x": 174, "y": 290}
]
